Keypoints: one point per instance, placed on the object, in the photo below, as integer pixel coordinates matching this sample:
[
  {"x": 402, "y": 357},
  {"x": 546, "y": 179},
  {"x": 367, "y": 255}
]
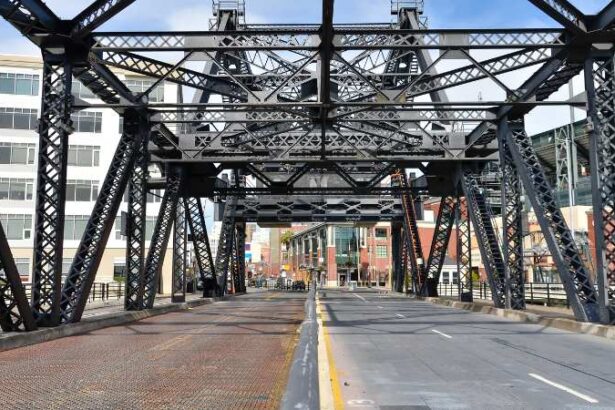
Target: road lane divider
[
  {"x": 561, "y": 387},
  {"x": 330, "y": 388},
  {"x": 442, "y": 334}
]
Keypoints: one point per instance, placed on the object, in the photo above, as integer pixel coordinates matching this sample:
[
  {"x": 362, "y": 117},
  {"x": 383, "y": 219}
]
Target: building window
[
  {"x": 83, "y": 156},
  {"x": 74, "y": 226},
  {"x": 23, "y": 266},
  {"x": 118, "y": 228},
  {"x": 12, "y": 153},
  {"x": 19, "y": 84},
  {"x": 381, "y": 233},
  {"x": 16, "y": 189},
  {"x": 81, "y": 191},
  {"x": 141, "y": 85},
  {"x": 446, "y": 278},
  {"x": 155, "y": 196},
  {"x": 66, "y": 263},
  {"x": 80, "y": 90},
  {"x": 17, "y": 227},
  {"x": 85, "y": 121},
  {"x": 381, "y": 251},
  {"x": 18, "y": 118}
]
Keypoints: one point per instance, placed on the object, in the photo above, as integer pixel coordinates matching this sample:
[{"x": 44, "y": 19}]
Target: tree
[{"x": 286, "y": 237}]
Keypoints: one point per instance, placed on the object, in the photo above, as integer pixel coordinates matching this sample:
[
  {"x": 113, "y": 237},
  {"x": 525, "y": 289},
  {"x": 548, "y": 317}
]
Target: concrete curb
[
  {"x": 89, "y": 324},
  {"x": 302, "y": 389},
  {"x": 570, "y": 325}
]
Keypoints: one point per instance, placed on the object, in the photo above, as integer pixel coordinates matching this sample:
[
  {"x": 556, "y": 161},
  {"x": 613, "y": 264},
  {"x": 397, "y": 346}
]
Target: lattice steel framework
[
  {"x": 316, "y": 97},
  {"x": 225, "y": 246},
  {"x": 464, "y": 251},
  {"x": 178, "y": 292},
  {"x": 512, "y": 226},
  {"x": 439, "y": 245},
  {"x": 600, "y": 85},
  {"x": 200, "y": 240},
  {"x": 54, "y": 129},
  {"x": 486, "y": 235},
  {"x": 161, "y": 234}
]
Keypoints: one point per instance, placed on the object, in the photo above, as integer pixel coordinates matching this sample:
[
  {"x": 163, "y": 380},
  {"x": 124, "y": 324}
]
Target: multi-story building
[{"x": 92, "y": 145}]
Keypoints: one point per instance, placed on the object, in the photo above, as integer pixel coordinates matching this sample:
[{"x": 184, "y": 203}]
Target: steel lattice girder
[
  {"x": 178, "y": 294},
  {"x": 225, "y": 245},
  {"x": 54, "y": 128},
  {"x": 412, "y": 238},
  {"x": 464, "y": 251},
  {"x": 97, "y": 14},
  {"x": 600, "y": 85},
  {"x": 439, "y": 245},
  {"x": 239, "y": 257},
  {"x": 512, "y": 225},
  {"x": 136, "y": 228},
  {"x": 564, "y": 13},
  {"x": 92, "y": 246},
  {"x": 161, "y": 234},
  {"x": 200, "y": 239},
  {"x": 15, "y": 313},
  {"x": 491, "y": 255},
  {"x": 580, "y": 290}
]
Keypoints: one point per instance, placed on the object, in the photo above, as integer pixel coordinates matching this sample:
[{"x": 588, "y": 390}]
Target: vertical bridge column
[
  {"x": 397, "y": 278},
  {"x": 600, "y": 86},
  {"x": 54, "y": 129},
  {"x": 178, "y": 292},
  {"x": 464, "y": 251},
  {"x": 512, "y": 226},
  {"x": 136, "y": 225},
  {"x": 200, "y": 240}
]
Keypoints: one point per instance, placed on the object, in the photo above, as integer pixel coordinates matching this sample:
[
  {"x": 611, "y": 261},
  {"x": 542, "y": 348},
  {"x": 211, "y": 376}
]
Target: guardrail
[
  {"x": 549, "y": 294},
  {"x": 100, "y": 291}
]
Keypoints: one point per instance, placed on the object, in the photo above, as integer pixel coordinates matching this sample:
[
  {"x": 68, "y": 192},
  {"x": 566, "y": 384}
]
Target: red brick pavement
[{"x": 233, "y": 354}]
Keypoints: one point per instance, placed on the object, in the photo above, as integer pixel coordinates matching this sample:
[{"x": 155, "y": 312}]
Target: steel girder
[
  {"x": 397, "y": 247},
  {"x": 178, "y": 292},
  {"x": 564, "y": 13},
  {"x": 15, "y": 313},
  {"x": 238, "y": 260},
  {"x": 412, "y": 240},
  {"x": 490, "y": 250},
  {"x": 464, "y": 251},
  {"x": 439, "y": 245},
  {"x": 96, "y": 15},
  {"x": 92, "y": 246},
  {"x": 580, "y": 290},
  {"x": 600, "y": 85},
  {"x": 54, "y": 129},
  {"x": 135, "y": 229},
  {"x": 160, "y": 237},
  {"x": 200, "y": 240},
  {"x": 225, "y": 246},
  {"x": 512, "y": 225}
]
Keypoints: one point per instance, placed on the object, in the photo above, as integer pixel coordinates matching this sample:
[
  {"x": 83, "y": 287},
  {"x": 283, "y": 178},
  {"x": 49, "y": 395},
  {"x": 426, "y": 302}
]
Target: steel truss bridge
[{"x": 358, "y": 102}]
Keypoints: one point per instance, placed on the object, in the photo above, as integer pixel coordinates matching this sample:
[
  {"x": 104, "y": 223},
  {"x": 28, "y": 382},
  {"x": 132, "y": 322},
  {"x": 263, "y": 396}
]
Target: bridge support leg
[
  {"x": 439, "y": 245},
  {"x": 512, "y": 224},
  {"x": 397, "y": 283},
  {"x": 225, "y": 246},
  {"x": 54, "y": 129},
  {"x": 600, "y": 86},
  {"x": 240, "y": 240},
  {"x": 464, "y": 252},
  {"x": 178, "y": 294},
  {"x": 135, "y": 227},
  {"x": 580, "y": 290},
  {"x": 160, "y": 237},
  {"x": 15, "y": 313},
  {"x": 487, "y": 238},
  {"x": 200, "y": 240},
  {"x": 92, "y": 246}
]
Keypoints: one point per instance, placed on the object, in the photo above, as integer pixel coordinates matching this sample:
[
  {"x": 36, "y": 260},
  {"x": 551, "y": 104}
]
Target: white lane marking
[
  {"x": 564, "y": 388},
  {"x": 442, "y": 334},
  {"x": 400, "y": 316},
  {"x": 360, "y": 297},
  {"x": 380, "y": 307}
]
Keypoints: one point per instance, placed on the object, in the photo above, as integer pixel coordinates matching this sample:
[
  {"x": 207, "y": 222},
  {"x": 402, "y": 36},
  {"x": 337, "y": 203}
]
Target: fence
[
  {"x": 549, "y": 294},
  {"x": 100, "y": 291}
]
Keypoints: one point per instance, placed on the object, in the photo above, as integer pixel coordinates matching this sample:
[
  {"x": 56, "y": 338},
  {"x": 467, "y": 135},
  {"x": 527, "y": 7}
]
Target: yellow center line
[{"x": 338, "y": 402}]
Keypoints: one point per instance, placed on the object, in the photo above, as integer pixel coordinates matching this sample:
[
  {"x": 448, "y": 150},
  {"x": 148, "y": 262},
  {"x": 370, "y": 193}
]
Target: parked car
[{"x": 299, "y": 285}]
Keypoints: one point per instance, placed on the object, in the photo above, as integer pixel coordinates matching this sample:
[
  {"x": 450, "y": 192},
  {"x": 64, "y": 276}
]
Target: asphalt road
[{"x": 399, "y": 353}]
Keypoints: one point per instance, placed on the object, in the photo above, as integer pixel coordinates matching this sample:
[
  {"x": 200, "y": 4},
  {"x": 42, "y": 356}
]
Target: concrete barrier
[
  {"x": 570, "y": 325},
  {"x": 302, "y": 391},
  {"x": 16, "y": 340}
]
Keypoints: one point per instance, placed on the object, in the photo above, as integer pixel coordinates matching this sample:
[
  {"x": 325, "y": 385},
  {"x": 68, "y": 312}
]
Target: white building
[{"x": 92, "y": 146}]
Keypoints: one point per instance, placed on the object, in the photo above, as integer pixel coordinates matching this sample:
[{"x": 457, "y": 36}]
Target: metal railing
[
  {"x": 548, "y": 294},
  {"x": 100, "y": 291}
]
